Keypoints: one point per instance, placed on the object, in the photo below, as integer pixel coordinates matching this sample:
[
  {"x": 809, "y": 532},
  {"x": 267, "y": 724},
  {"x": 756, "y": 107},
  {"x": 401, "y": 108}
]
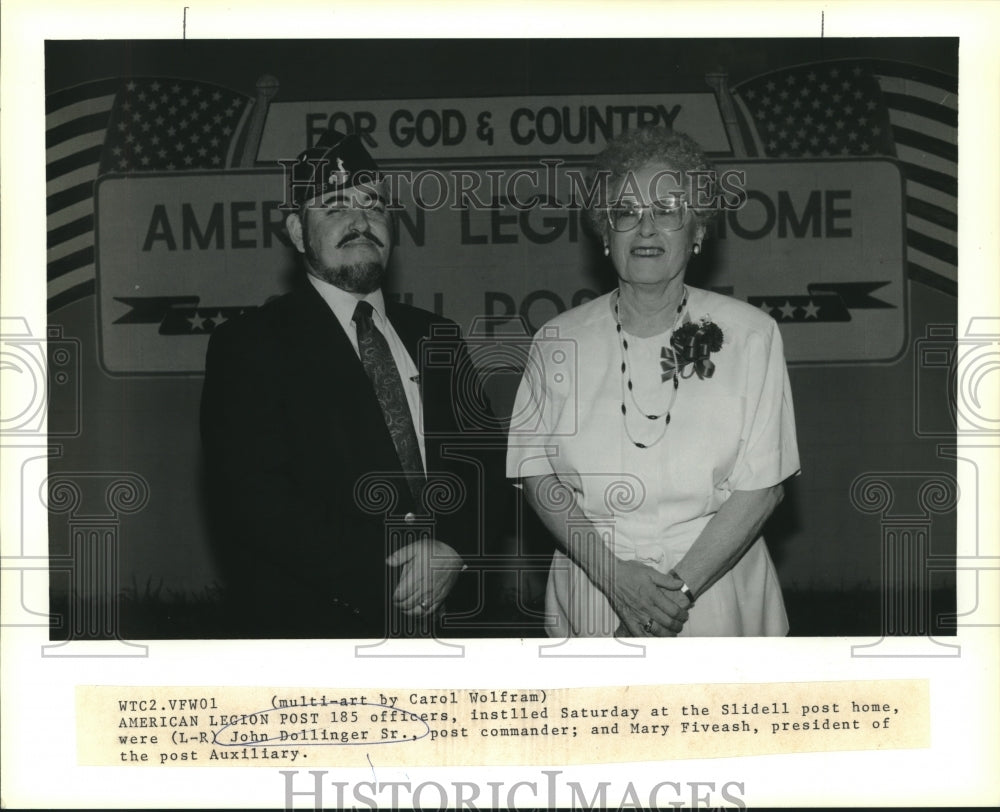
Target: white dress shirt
[{"x": 343, "y": 303}]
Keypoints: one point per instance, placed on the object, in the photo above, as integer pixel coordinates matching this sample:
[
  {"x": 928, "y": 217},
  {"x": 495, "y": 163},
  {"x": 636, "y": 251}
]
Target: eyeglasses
[{"x": 667, "y": 214}]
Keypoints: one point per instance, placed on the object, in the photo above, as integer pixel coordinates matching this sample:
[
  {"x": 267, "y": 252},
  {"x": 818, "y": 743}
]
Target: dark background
[{"x": 346, "y": 69}]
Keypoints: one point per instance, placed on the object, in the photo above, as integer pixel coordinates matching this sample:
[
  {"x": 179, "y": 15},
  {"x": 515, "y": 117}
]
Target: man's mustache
[{"x": 367, "y": 234}]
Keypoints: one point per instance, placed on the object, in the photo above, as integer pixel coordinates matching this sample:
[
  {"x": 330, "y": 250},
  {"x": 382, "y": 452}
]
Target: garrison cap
[{"x": 336, "y": 161}]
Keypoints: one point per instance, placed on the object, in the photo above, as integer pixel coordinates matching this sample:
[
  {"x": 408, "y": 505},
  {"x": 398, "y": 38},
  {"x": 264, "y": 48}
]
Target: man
[{"x": 330, "y": 422}]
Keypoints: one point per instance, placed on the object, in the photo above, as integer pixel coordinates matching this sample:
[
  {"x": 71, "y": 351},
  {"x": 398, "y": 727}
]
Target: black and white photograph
[
  {"x": 263, "y": 495},
  {"x": 442, "y": 350}
]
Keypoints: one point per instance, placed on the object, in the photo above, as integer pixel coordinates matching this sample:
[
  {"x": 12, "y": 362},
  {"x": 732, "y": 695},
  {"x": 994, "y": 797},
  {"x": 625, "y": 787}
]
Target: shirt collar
[{"x": 343, "y": 303}]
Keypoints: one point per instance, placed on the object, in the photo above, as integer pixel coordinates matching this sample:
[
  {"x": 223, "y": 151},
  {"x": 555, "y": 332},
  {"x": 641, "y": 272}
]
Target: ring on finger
[{"x": 647, "y": 627}]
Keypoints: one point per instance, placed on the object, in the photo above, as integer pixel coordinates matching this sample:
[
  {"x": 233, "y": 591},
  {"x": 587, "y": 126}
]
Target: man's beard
[{"x": 357, "y": 277}]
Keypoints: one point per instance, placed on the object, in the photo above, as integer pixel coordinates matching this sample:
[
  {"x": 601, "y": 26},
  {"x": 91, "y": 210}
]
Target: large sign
[
  {"x": 417, "y": 129},
  {"x": 501, "y": 249}
]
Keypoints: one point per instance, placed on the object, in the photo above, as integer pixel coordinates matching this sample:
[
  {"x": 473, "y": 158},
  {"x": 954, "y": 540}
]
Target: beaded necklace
[{"x": 627, "y": 377}]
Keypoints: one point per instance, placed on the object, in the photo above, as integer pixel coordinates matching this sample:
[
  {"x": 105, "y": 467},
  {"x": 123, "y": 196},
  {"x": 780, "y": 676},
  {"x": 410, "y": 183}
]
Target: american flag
[
  {"x": 866, "y": 108},
  {"x": 123, "y": 125}
]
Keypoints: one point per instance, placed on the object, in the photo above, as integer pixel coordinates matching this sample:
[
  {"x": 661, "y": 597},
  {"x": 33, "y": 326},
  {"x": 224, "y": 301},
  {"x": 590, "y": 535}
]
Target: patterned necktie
[{"x": 376, "y": 357}]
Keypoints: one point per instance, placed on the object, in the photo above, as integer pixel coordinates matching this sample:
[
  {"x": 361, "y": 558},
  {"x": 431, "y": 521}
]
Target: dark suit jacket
[{"x": 306, "y": 488}]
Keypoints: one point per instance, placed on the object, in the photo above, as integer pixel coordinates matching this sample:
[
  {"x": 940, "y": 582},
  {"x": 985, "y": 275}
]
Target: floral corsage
[{"x": 690, "y": 347}]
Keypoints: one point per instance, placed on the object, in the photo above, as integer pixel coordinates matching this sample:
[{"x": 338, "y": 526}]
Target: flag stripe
[
  {"x": 69, "y": 246},
  {"x": 918, "y": 273},
  {"x": 920, "y": 107},
  {"x": 71, "y": 95},
  {"x": 84, "y": 256},
  {"x": 70, "y": 230},
  {"x": 751, "y": 139},
  {"x": 935, "y": 248},
  {"x": 925, "y": 143},
  {"x": 71, "y": 280},
  {"x": 936, "y": 180},
  {"x": 909, "y": 155},
  {"x": 74, "y": 194},
  {"x": 70, "y": 214},
  {"x": 934, "y": 214},
  {"x": 71, "y": 294},
  {"x": 931, "y": 91},
  {"x": 929, "y": 229},
  {"x": 70, "y": 180},
  {"x": 93, "y": 105},
  {"x": 933, "y": 264},
  {"x": 96, "y": 122},
  {"x": 74, "y": 145},
  {"x": 87, "y": 158},
  {"x": 926, "y": 194},
  {"x": 935, "y": 129},
  {"x": 242, "y": 129},
  {"x": 908, "y": 72}
]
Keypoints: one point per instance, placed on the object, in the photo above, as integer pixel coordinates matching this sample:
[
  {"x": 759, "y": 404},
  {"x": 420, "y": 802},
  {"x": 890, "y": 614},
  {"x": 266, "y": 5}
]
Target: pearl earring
[
  {"x": 607, "y": 250},
  {"x": 696, "y": 250}
]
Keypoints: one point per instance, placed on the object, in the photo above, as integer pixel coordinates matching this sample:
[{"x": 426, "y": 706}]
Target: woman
[{"x": 655, "y": 456}]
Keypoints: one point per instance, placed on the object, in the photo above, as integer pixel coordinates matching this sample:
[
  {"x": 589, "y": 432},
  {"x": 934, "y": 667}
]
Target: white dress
[{"x": 733, "y": 431}]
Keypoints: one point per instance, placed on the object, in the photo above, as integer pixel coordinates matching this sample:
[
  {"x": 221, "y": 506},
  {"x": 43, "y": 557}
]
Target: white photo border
[{"x": 39, "y": 736}]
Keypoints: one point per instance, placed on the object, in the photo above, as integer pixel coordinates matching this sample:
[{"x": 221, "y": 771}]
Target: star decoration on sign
[{"x": 799, "y": 309}]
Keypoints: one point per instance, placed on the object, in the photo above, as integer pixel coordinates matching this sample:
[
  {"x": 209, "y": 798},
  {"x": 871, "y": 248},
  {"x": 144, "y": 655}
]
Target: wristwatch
[{"x": 685, "y": 589}]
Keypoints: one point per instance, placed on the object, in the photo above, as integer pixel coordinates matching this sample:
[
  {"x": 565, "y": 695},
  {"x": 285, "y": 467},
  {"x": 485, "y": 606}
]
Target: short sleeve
[
  {"x": 535, "y": 414},
  {"x": 769, "y": 452}
]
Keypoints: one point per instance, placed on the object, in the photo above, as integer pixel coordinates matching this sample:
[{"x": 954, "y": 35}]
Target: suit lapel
[
  {"x": 339, "y": 385},
  {"x": 342, "y": 387},
  {"x": 325, "y": 343}
]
